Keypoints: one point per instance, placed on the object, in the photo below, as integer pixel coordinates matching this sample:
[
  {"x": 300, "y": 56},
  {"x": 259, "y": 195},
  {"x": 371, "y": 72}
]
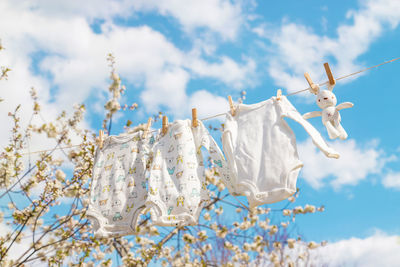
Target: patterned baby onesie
[
  {"x": 118, "y": 189},
  {"x": 177, "y": 186},
  {"x": 261, "y": 151}
]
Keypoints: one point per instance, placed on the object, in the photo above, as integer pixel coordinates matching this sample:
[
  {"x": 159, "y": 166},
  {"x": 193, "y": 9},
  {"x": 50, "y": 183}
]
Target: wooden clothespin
[
  {"x": 101, "y": 138},
  {"x": 314, "y": 88},
  {"x": 164, "y": 125},
  {"x": 278, "y": 94},
  {"x": 329, "y": 74},
  {"x": 231, "y": 106},
  {"x": 195, "y": 123},
  {"x": 146, "y": 130}
]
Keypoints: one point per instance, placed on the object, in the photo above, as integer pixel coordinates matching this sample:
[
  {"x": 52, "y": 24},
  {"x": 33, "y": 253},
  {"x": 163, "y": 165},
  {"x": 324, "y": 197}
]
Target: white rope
[
  {"x": 40, "y": 151},
  {"x": 214, "y": 116}
]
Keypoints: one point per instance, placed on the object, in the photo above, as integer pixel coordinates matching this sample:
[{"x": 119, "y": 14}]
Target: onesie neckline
[
  {"x": 124, "y": 137},
  {"x": 246, "y": 107}
]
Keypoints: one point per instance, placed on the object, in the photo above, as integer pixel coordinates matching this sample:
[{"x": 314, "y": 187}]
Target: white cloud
[
  {"x": 65, "y": 9},
  {"x": 296, "y": 48},
  {"x": 17, "y": 249},
  {"x": 221, "y": 16},
  {"x": 72, "y": 67},
  {"x": 208, "y": 104},
  {"x": 24, "y": 34},
  {"x": 4, "y": 229},
  {"x": 379, "y": 249},
  {"x": 392, "y": 180},
  {"x": 166, "y": 88},
  {"x": 355, "y": 164},
  {"x": 227, "y": 70}
]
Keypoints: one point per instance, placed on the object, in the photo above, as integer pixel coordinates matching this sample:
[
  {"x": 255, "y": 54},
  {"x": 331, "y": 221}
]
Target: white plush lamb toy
[{"x": 326, "y": 100}]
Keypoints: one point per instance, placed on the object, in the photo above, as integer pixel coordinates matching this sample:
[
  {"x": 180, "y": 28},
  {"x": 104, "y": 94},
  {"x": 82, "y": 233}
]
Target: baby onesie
[
  {"x": 261, "y": 151},
  {"x": 177, "y": 185},
  {"x": 118, "y": 189}
]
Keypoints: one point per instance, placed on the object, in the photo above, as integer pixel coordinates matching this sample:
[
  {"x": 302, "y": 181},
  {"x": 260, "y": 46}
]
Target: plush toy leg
[
  {"x": 332, "y": 132},
  {"x": 341, "y": 130}
]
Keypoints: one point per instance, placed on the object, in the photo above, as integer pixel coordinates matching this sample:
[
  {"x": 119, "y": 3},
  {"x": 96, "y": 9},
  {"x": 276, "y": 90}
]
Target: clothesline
[
  {"x": 40, "y": 151},
  {"x": 222, "y": 114}
]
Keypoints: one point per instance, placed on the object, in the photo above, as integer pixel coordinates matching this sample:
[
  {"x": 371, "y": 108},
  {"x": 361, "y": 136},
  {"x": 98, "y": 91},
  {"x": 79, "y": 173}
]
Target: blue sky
[{"x": 176, "y": 55}]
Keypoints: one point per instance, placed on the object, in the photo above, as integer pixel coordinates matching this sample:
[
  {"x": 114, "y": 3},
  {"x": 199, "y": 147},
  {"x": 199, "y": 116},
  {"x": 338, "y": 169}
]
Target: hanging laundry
[
  {"x": 118, "y": 190},
  {"x": 326, "y": 100},
  {"x": 177, "y": 184},
  {"x": 261, "y": 151}
]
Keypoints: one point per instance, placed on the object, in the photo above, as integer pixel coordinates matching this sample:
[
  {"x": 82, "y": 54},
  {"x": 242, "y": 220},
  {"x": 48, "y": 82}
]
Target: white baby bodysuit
[
  {"x": 177, "y": 185},
  {"x": 261, "y": 151},
  {"x": 118, "y": 189}
]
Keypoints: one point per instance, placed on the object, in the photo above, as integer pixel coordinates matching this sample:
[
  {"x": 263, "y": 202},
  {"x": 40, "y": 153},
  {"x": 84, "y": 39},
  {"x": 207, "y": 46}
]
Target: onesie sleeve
[
  {"x": 204, "y": 139},
  {"x": 288, "y": 110}
]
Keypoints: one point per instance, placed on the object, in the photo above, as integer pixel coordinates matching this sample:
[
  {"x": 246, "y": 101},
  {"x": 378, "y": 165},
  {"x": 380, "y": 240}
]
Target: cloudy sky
[{"x": 174, "y": 55}]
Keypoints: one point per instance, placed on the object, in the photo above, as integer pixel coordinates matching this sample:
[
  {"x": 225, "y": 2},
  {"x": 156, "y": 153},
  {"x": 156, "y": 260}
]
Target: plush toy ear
[{"x": 330, "y": 87}]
